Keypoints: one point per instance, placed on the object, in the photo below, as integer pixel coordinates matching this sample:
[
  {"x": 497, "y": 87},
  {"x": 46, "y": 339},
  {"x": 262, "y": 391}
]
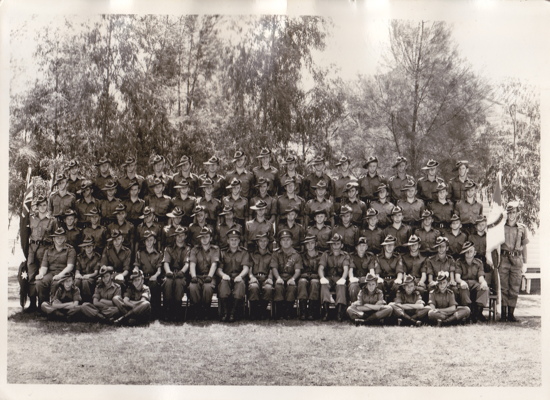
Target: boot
[
  {"x": 32, "y": 307},
  {"x": 253, "y": 310},
  {"x": 480, "y": 316},
  {"x": 371, "y": 318},
  {"x": 288, "y": 306},
  {"x": 340, "y": 309},
  {"x": 223, "y": 310},
  {"x": 279, "y": 309},
  {"x": 303, "y": 309},
  {"x": 511, "y": 317},
  {"x": 450, "y": 320},
  {"x": 312, "y": 310},
  {"x": 474, "y": 312},
  {"x": 406, "y": 317},
  {"x": 325, "y": 309},
  {"x": 236, "y": 304},
  {"x": 503, "y": 314}
]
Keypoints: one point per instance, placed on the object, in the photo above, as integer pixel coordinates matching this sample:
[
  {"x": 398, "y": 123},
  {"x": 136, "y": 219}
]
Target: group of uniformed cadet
[{"x": 125, "y": 250}]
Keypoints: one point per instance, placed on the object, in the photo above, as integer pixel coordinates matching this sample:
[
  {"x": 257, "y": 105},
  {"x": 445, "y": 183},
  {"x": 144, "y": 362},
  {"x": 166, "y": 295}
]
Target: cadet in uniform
[
  {"x": 408, "y": 304},
  {"x": 260, "y": 275},
  {"x": 65, "y": 301},
  {"x": 123, "y": 226},
  {"x": 312, "y": 180},
  {"x": 469, "y": 275},
  {"x": 412, "y": 206},
  {"x": 268, "y": 172},
  {"x": 184, "y": 201},
  {"x": 371, "y": 181},
  {"x": 370, "y": 305},
  {"x": 227, "y": 223},
  {"x": 333, "y": 273},
  {"x": 348, "y": 231},
  {"x": 263, "y": 196},
  {"x": 441, "y": 262},
  {"x": 148, "y": 224},
  {"x": 396, "y": 182},
  {"x": 217, "y": 181},
  {"x": 130, "y": 177},
  {"x": 513, "y": 255},
  {"x": 383, "y": 206},
  {"x": 320, "y": 230},
  {"x": 442, "y": 304},
  {"x": 398, "y": 229},
  {"x": 427, "y": 185},
  {"x": 103, "y": 309},
  {"x": 414, "y": 264},
  {"x": 468, "y": 209},
  {"x": 426, "y": 233},
  {"x": 242, "y": 174},
  {"x": 85, "y": 203},
  {"x": 361, "y": 263},
  {"x": 165, "y": 236},
  {"x": 159, "y": 203},
  {"x": 72, "y": 233},
  {"x": 158, "y": 174},
  {"x": 286, "y": 265},
  {"x": 203, "y": 262},
  {"x": 61, "y": 200},
  {"x": 320, "y": 202},
  {"x": 308, "y": 284},
  {"x": 290, "y": 163},
  {"x": 149, "y": 261},
  {"x": 197, "y": 226},
  {"x": 455, "y": 236},
  {"x": 259, "y": 225},
  {"x": 298, "y": 231},
  {"x": 118, "y": 257},
  {"x": 103, "y": 176},
  {"x": 96, "y": 231},
  {"x": 442, "y": 208},
  {"x": 87, "y": 268},
  {"x": 290, "y": 199},
  {"x": 236, "y": 201},
  {"x": 233, "y": 268},
  {"x": 184, "y": 177},
  {"x": 342, "y": 180},
  {"x": 389, "y": 268},
  {"x": 209, "y": 203},
  {"x": 176, "y": 270},
  {"x": 458, "y": 183},
  {"x": 109, "y": 203},
  {"x": 373, "y": 234},
  {"x": 135, "y": 307},
  {"x": 74, "y": 180},
  {"x": 134, "y": 205},
  {"x": 358, "y": 207}
]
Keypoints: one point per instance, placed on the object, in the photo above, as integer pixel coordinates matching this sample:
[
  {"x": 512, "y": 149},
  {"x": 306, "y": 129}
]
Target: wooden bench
[{"x": 526, "y": 280}]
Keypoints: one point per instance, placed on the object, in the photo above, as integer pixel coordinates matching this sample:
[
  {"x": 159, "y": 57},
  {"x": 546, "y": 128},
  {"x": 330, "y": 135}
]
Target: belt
[
  {"x": 39, "y": 242},
  {"x": 389, "y": 277},
  {"x": 514, "y": 253},
  {"x": 260, "y": 274}
]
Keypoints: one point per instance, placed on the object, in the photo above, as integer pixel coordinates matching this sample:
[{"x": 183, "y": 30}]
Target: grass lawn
[{"x": 273, "y": 353}]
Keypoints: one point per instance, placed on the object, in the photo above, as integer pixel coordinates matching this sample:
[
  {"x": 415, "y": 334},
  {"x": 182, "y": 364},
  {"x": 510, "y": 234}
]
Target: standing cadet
[
  {"x": 176, "y": 269},
  {"x": 396, "y": 182},
  {"x": 61, "y": 200},
  {"x": 118, "y": 257},
  {"x": 426, "y": 233},
  {"x": 158, "y": 162},
  {"x": 414, "y": 264},
  {"x": 65, "y": 300},
  {"x": 103, "y": 309},
  {"x": 427, "y": 185},
  {"x": 103, "y": 176},
  {"x": 72, "y": 232},
  {"x": 383, "y": 206},
  {"x": 148, "y": 224},
  {"x": 389, "y": 268},
  {"x": 268, "y": 172},
  {"x": 398, "y": 229},
  {"x": 95, "y": 230},
  {"x": 361, "y": 263},
  {"x": 348, "y": 231},
  {"x": 468, "y": 209},
  {"x": 242, "y": 174},
  {"x": 342, "y": 180},
  {"x": 184, "y": 177},
  {"x": 320, "y": 230},
  {"x": 455, "y": 236},
  {"x": 371, "y": 181},
  {"x": 408, "y": 304},
  {"x": 203, "y": 262},
  {"x": 333, "y": 273},
  {"x": 312, "y": 180},
  {"x": 134, "y": 205},
  {"x": 479, "y": 239},
  {"x": 57, "y": 262},
  {"x": 85, "y": 203},
  {"x": 108, "y": 205},
  {"x": 159, "y": 203},
  {"x": 135, "y": 307},
  {"x": 227, "y": 223},
  {"x": 458, "y": 183},
  {"x": 259, "y": 225},
  {"x": 197, "y": 226},
  {"x": 372, "y": 233},
  {"x": 270, "y": 201},
  {"x": 513, "y": 255},
  {"x": 320, "y": 202},
  {"x": 358, "y": 207},
  {"x": 308, "y": 284},
  {"x": 442, "y": 304},
  {"x": 236, "y": 201},
  {"x": 74, "y": 180},
  {"x": 290, "y": 163},
  {"x": 286, "y": 265},
  {"x": 184, "y": 201},
  {"x": 211, "y": 205},
  {"x": 470, "y": 276},
  {"x": 441, "y": 262},
  {"x": 233, "y": 267},
  {"x": 123, "y": 226},
  {"x": 370, "y": 305},
  {"x": 87, "y": 268},
  {"x": 217, "y": 181},
  {"x": 290, "y": 199},
  {"x": 260, "y": 287},
  {"x": 128, "y": 178},
  {"x": 442, "y": 208},
  {"x": 298, "y": 231},
  {"x": 412, "y": 206},
  {"x": 149, "y": 261},
  {"x": 165, "y": 237}
]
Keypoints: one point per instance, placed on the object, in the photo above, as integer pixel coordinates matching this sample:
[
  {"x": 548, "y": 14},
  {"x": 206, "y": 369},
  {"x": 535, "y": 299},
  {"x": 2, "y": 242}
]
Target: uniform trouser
[
  {"x": 86, "y": 287},
  {"x": 140, "y": 311},
  {"x": 461, "y": 313},
  {"x": 260, "y": 290},
  {"x": 92, "y": 311},
  {"x": 418, "y": 314},
  {"x": 308, "y": 289},
  {"x": 474, "y": 292},
  {"x": 285, "y": 292},
  {"x": 68, "y": 312},
  {"x": 510, "y": 271},
  {"x": 46, "y": 287},
  {"x": 156, "y": 293},
  {"x": 202, "y": 292},
  {"x": 340, "y": 292},
  {"x": 228, "y": 288},
  {"x": 34, "y": 260},
  {"x": 389, "y": 287},
  {"x": 353, "y": 290},
  {"x": 354, "y": 311},
  {"x": 173, "y": 290}
]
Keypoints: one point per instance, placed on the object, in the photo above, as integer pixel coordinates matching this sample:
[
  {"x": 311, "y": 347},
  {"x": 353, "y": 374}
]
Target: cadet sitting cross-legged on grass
[
  {"x": 103, "y": 309},
  {"x": 442, "y": 303},
  {"x": 408, "y": 305},
  {"x": 135, "y": 307},
  {"x": 64, "y": 304},
  {"x": 370, "y": 305}
]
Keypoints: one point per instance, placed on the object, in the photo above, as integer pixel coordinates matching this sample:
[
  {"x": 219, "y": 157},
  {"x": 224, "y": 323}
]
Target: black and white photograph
[{"x": 274, "y": 198}]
